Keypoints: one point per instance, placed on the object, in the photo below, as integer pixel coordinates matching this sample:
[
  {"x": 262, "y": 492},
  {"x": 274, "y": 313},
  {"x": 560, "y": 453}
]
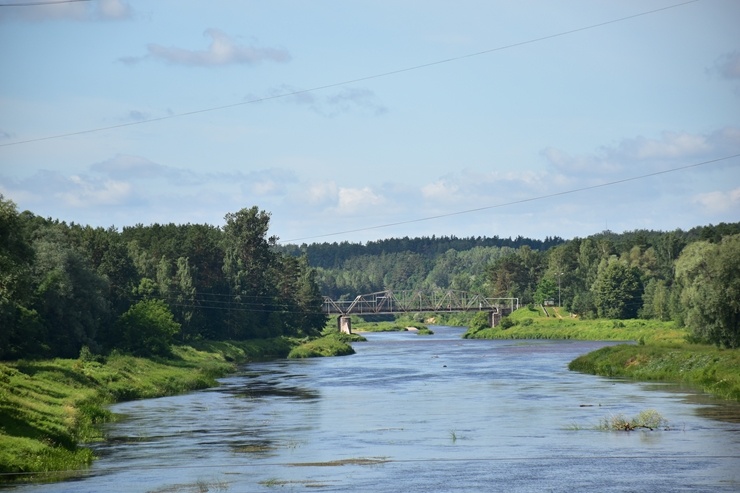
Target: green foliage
[
  {"x": 524, "y": 326},
  {"x": 146, "y": 329},
  {"x": 49, "y": 407},
  {"x": 709, "y": 277},
  {"x": 649, "y": 419},
  {"x": 617, "y": 291},
  {"x": 330, "y": 345},
  {"x": 715, "y": 371},
  {"x": 479, "y": 322},
  {"x": 547, "y": 289}
]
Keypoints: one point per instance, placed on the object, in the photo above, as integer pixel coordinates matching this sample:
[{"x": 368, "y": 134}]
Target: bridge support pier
[
  {"x": 344, "y": 323},
  {"x": 494, "y": 318}
]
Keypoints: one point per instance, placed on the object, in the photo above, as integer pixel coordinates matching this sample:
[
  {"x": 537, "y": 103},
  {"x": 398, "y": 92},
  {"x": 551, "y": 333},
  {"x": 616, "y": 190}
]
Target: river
[{"x": 410, "y": 413}]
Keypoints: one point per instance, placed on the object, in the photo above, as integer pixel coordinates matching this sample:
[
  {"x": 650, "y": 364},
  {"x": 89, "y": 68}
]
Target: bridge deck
[{"x": 388, "y": 302}]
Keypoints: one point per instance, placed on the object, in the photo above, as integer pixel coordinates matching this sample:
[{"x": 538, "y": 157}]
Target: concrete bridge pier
[
  {"x": 344, "y": 323},
  {"x": 494, "y": 317}
]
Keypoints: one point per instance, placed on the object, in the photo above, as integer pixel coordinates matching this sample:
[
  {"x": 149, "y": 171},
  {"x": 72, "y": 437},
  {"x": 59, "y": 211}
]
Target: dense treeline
[
  {"x": 691, "y": 277},
  {"x": 334, "y": 255},
  {"x": 65, "y": 287}
]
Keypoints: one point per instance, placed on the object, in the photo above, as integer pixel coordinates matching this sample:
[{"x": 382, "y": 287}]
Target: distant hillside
[{"x": 334, "y": 255}]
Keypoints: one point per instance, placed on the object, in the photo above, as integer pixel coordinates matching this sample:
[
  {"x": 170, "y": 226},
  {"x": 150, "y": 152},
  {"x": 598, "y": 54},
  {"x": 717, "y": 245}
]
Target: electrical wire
[
  {"x": 36, "y": 4},
  {"x": 516, "y": 202},
  {"x": 351, "y": 81}
]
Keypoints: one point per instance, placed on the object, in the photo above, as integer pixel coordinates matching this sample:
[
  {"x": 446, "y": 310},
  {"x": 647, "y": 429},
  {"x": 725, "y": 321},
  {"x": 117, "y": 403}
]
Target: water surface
[{"x": 418, "y": 414}]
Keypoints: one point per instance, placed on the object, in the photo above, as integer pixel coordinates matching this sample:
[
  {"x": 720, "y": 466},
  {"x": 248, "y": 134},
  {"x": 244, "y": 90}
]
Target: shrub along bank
[
  {"x": 49, "y": 407},
  {"x": 662, "y": 352}
]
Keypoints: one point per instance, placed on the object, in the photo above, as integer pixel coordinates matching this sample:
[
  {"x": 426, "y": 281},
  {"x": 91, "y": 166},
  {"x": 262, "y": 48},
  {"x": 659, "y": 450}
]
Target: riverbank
[
  {"x": 715, "y": 371},
  {"x": 658, "y": 351},
  {"x": 49, "y": 407}
]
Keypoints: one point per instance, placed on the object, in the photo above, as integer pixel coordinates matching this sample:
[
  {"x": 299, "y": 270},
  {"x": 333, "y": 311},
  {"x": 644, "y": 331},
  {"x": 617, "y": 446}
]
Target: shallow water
[{"x": 417, "y": 414}]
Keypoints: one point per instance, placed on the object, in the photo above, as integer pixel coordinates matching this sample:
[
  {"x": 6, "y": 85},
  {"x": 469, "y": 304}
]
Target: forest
[
  {"x": 690, "y": 277},
  {"x": 67, "y": 288}
]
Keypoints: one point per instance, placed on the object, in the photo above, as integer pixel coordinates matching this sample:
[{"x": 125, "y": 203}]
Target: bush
[
  {"x": 146, "y": 329},
  {"x": 506, "y": 323},
  {"x": 478, "y": 322}
]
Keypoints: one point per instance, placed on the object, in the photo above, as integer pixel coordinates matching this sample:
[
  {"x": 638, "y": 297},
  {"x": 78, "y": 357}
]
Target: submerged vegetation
[{"x": 649, "y": 419}]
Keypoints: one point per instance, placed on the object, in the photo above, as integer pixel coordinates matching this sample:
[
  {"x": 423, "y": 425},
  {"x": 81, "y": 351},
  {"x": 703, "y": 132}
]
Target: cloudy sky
[{"x": 367, "y": 119}]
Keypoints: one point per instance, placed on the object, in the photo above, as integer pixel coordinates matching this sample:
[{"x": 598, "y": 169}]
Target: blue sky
[{"x": 359, "y": 120}]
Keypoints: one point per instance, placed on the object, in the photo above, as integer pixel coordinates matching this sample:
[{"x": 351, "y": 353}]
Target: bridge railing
[{"x": 389, "y": 301}]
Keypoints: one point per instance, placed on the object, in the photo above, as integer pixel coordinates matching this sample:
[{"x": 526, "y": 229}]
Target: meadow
[{"x": 653, "y": 350}]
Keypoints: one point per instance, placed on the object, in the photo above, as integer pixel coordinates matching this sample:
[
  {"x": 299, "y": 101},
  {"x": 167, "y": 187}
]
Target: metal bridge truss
[{"x": 383, "y": 302}]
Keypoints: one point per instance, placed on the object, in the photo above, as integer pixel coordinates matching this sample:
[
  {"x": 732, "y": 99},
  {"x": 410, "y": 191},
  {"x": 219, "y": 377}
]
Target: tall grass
[
  {"x": 713, "y": 370},
  {"x": 661, "y": 351},
  {"x": 48, "y": 408},
  {"x": 333, "y": 344}
]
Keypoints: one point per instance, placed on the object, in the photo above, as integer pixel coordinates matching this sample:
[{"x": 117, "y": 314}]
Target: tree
[
  {"x": 70, "y": 297},
  {"x": 248, "y": 264},
  {"x": 20, "y": 328},
  {"x": 516, "y": 275},
  {"x": 146, "y": 329},
  {"x": 617, "y": 291},
  {"x": 656, "y": 300},
  {"x": 546, "y": 290},
  {"x": 708, "y": 275}
]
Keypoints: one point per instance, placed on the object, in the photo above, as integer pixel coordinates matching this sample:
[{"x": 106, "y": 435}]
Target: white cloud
[
  {"x": 321, "y": 193},
  {"x": 439, "y": 190},
  {"x": 648, "y": 153},
  {"x": 223, "y": 50},
  {"x": 717, "y": 201},
  {"x": 84, "y": 192},
  {"x": 352, "y": 200}
]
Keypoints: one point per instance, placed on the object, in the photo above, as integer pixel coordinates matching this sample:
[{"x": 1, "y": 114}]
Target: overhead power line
[
  {"x": 36, "y": 4},
  {"x": 351, "y": 81},
  {"x": 521, "y": 201}
]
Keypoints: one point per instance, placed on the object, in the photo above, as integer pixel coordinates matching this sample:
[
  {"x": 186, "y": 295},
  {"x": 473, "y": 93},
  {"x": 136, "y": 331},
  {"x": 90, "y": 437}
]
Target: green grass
[
  {"x": 532, "y": 325},
  {"x": 649, "y": 419},
  {"x": 716, "y": 371},
  {"x": 332, "y": 344},
  {"x": 48, "y": 408},
  {"x": 662, "y": 352},
  {"x": 399, "y": 325}
]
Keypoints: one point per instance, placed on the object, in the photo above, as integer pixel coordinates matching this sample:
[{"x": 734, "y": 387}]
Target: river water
[{"x": 411, "y": 413}]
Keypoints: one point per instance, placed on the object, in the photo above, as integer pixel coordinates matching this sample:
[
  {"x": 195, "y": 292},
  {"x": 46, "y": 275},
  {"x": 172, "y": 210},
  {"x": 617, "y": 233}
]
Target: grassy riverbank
[
  {"x": 400, "y": 324},
  {"x": 659, "y": 351},
  {"x": 713, "y": 370},
  {"x": 333, "y": 343},
  {"x": 48, "y": 408},
  {"x": 530, "y": 324}
]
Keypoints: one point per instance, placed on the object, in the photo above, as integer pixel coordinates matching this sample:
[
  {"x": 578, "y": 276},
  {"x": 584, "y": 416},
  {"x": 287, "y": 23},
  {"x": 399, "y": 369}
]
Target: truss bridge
[{"x": 407, "y": 301}]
